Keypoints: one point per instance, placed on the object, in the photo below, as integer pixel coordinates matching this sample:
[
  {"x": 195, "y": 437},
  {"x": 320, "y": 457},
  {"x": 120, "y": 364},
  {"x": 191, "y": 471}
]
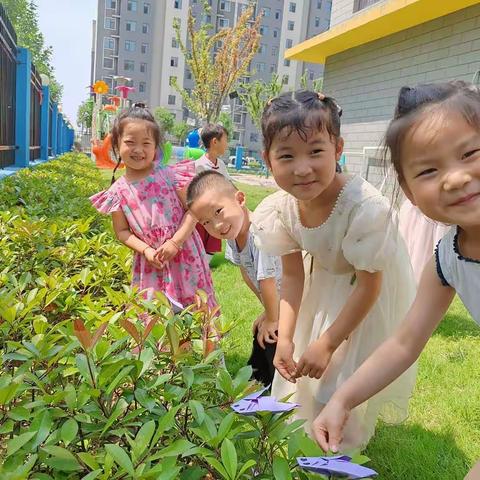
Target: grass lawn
[{"x": 440, "y": 440}]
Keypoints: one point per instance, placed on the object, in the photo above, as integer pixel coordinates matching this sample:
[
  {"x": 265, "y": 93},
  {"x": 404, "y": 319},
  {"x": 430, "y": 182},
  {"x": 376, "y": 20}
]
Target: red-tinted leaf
[
  {"x": 131, "y": 329},
  {"x": 82, "y": 333},
  {"x": 149, "y": 327},
  {"x": 100, "y": 331}
]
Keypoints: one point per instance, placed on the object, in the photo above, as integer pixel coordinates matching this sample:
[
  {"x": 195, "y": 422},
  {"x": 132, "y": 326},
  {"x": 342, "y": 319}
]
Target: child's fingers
[{"x": 260, "y": 339}]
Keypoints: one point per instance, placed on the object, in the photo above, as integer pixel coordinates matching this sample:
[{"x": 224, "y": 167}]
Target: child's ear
[
  {"x": 266, "y": 159},
  {"x": 339, "y": 144},
  {"x": 240, "y": 198}
]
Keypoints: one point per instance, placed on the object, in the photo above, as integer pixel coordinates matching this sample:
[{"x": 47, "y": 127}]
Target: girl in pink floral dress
[{"x": 148, "y": 213}]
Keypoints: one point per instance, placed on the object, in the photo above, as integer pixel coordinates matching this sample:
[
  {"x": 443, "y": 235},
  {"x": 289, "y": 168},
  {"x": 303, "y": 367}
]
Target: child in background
[
  {"x": 220, "y": 208},
  {"x": 434, "y": 145},
  {"x": 148, "y": 213},
  {"x": 360, "y": 282},
  {"x": 215, "y": 140}
]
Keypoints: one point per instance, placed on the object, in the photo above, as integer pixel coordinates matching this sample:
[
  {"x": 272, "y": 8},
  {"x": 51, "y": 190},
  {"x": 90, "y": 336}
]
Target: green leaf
[
  {"x": 281, "y": 469},
  {"x": 225, "y": 426},
  {"x": 224, "y": 382},
  {"x": 121, "y": 457},
  {"x": 241, "y": 379},
  {"x": 309, "y": 447},
  {"x": 142, "y": 440},
  {"x": 120, "y": 376},
  {"x": 360, "y": 459},
  {"x": 89, "y": 460},
  {"x": 178, "y": 447},
  {"x": 188, "y": 376},
  {"x": 197, "y": 410},
  {"x": 166, "y": 423},
  {"x": 218, "y": 467},
  {"x": 69, "y": 431},
  {"x": 61, "y": 459},
  {"x": 82, "y": 365},
  {"x": 145, "y": 400},
  {"x": 42, "y": 425},
  {"x": 92, "y": 475},
  {"x": 229, "y": 458},
  {"x": 245, "y": 467},
  {"x": 18, "y": 442}
]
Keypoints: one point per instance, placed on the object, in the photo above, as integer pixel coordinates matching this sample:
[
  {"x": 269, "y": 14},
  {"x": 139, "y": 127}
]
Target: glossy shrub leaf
[{"x": 120, "y": 457}]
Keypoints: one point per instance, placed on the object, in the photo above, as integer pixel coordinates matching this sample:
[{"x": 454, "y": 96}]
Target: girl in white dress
[
  {"x": 355, "y": 284},
  {"x": 434, "y": 143}
]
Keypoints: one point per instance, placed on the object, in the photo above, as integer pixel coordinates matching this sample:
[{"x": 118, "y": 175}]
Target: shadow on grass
[
  {"x": 217, "y": 260},
  {"x": 410, "y": 452},
  {"x": 457, "y": 323}
]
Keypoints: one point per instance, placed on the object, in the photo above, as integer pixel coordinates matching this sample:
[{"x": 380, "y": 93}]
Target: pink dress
[{"x": 154, "y": 213}]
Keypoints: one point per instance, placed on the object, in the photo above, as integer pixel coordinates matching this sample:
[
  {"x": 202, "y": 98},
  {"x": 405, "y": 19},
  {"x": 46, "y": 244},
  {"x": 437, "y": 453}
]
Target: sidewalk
[{"x": 252, "y": 179}]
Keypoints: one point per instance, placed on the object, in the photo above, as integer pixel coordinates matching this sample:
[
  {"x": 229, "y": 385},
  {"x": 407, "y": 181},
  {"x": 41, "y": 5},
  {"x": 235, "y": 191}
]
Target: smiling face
[
  {"x": 441, "y": 168},
  {"x": 137, "y": 146},
  {"x": 304, "y": 167},
  {"x": 221, "y": 212}
]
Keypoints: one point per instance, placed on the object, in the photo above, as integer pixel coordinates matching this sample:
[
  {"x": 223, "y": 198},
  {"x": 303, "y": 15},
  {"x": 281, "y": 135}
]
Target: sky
[{"x": 67, "y": 26}]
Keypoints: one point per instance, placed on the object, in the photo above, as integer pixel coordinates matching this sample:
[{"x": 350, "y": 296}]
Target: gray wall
[{"x": 365, "y": 80}]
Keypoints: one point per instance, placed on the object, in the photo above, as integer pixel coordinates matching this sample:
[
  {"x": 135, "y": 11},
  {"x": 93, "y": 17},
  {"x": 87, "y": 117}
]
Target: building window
[
  {"x": 292, "y": 7},
  {"x": 237, "y": 118},
  {"x": 223, "y": 23},
  {"x": 311, "y": 75},
  {"x": 285, "y": 79},
  {"x": 254, "y": 137},
  {"x": 266, "y": 11},
  {"x": 236, "y": 136},
  {"x": 261, "y": 67},
  {"x": 225, "y": 5},
  {"x": 110, "y": 23},
  {"x": 108, "y": 63},
  {"x": 108, "y": 81},
  {"x": 142, "y": 86},
  {"x": 144, "y": 47},
  {"x": 130, "y": 45},
  {"x": 143, "y": 68},
  {"x": 129, "y": 65},
  {"x": 112, "y": 4},
  {"x": 177, "y": 4},
  {"x": 207, "y": 19},
  {"x": 286, "y": 63},
  {"x": 361, "y": 4},
  {"x": 289, "y": 43},
  {"x": 317, "y": 21},
  {"x": 188, "y": 75},
  {"x": 274, "y": 51},
  {"x": 263, "y": 48},
  {"x": 131, "y": 26},
  {"x": 319, "y": 4},
  {"x": 174, "y": 61},
  {"x": 146, "y": 8},
  {"x": 276, "y": 33},
  {"x": 278, "y": 14},
  {"x": 174, "y": 42},
  {"x": 172, "y": 80},
  {"x": 290, "y": 25},
  {"x": 263, "y": 30},
  {"x": 109, "y": 43},
  {"x": 272, "y": 68},
  {"x": 132, "y": 5},
  {"x": 171, "y": 99},
  {"x": 145, "y": 28}
]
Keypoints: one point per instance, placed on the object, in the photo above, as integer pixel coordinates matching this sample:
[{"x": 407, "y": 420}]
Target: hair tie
[
  {"x": 270, "y": 100},
  {"x": 139, "y": 105},
  {"x": 321, "y": 96}
]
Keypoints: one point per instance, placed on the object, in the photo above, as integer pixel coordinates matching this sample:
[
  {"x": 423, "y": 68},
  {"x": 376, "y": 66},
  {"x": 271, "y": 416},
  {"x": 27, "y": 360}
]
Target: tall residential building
[
  {"x": 136, "y": 39},
  {"x": 374, "y": 47}
]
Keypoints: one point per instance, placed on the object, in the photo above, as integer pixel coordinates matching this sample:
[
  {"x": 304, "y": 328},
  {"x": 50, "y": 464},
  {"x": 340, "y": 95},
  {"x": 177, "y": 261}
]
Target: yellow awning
[{"x": 376, "y": 22}]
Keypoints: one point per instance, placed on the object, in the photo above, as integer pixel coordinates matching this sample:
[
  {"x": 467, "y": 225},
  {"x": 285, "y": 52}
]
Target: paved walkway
[{"x": 252, "y": 179}]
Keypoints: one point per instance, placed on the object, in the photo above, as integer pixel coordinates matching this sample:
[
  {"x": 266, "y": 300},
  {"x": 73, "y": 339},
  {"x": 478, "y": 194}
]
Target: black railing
[
  {"x": 8, "y": 75},
  {"x": 35, "y": 107}
]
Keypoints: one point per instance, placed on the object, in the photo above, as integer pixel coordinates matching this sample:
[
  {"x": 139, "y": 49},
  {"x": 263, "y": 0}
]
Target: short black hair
[
  {"x": 211, "y": 131},
  {"x": 208, "y": 180}
]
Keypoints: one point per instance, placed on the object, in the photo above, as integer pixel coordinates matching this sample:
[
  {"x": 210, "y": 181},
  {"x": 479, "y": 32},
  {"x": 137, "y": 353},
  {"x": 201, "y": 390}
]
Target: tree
[
  {"x": 84, "y": 113},
  {"x": 226, "y": 120},
  {"x": 165, "y": 119},
  {"x": 254, "y": 96},
  {"x": 216, "y": 61},
  {"x": 179, "y": 131},
  {"x": 24, "y": 17}
]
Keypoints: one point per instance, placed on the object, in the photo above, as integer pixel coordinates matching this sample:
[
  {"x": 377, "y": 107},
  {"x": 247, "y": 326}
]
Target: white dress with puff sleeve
[{"x": 359, "y": 234}]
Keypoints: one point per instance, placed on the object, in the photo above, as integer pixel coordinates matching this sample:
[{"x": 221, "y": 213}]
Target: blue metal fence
[{"x": 31, "y": 127}]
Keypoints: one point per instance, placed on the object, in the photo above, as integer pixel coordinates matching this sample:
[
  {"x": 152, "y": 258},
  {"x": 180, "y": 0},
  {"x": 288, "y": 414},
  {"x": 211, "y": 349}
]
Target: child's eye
[
  {"x": 472, "y": 152},
  {"x": 286, "y": 156},
  {"x": 217, "y": 211},
  {"x": 428, "y": 171},
  {"x": 316, "y": 152}
]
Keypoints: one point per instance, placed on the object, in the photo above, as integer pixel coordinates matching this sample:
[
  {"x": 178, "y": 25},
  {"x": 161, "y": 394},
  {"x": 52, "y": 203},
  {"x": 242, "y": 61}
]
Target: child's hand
[
  {"x": 315, "y": 360},
  {"x": 267, "y": 332},
  {"x": 283, "y": 360},
  {"x": 167, "y": 251},
  {"x": 258, "y": 321},
  {"x": 150, "y": 255},
  {"x": 328, "y": 427}
]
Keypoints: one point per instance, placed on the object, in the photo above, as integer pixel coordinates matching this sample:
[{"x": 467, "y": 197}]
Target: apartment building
[
  {"x": 374, "y": 47},
  {"x": 136, "y": 39}
]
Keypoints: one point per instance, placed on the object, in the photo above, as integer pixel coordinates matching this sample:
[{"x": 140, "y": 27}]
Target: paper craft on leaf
[
  {"x": 338, "y": 466},
  {"x": 254, "y": 403}
]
